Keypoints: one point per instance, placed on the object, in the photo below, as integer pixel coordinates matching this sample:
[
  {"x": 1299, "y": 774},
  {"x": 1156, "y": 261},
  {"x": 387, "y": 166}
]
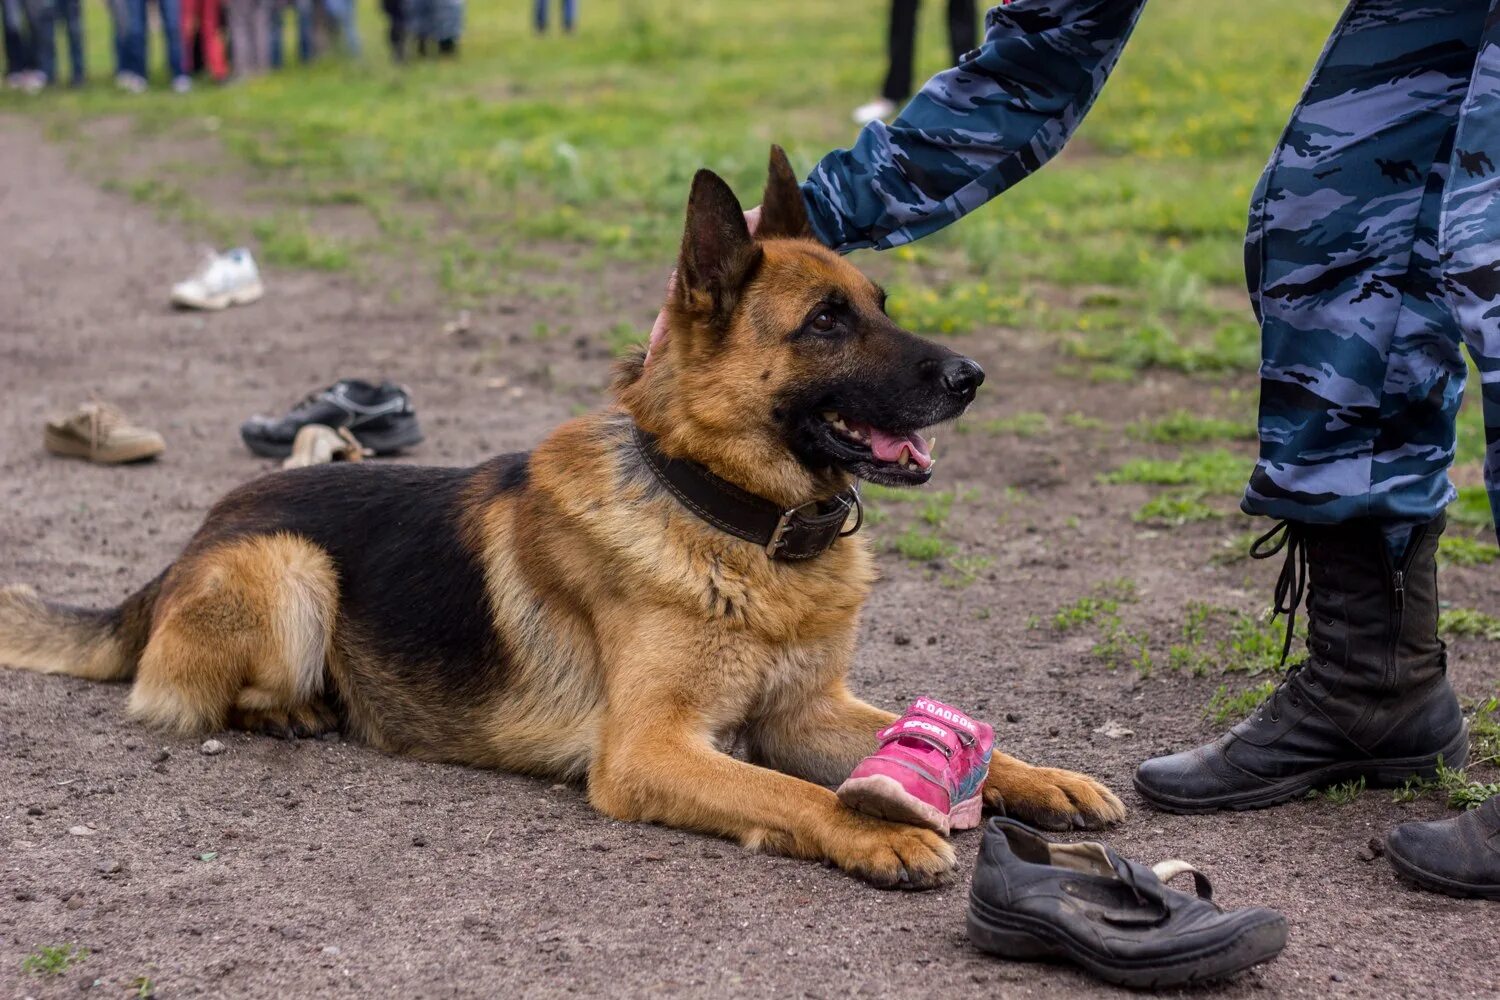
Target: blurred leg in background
[
  {"x": 339, "y": 15},
  {"x": 38, "y": 15},
  {"x": 250, "y": 35},
  {"x": 395, "y": 15},
  {"x": 901, "y": 47},
  {"x": 306, "y": 48},
  {"x": 448, "y": 26},
  {"x": 203, "y": 45},
  {"x": 131, "y": 44},
  {"x": 69, "y": 13},
  {"x": 171, "y": 34}
]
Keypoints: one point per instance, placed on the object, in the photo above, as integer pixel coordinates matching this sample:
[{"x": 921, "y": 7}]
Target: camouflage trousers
[{"x": 1373, "y": 252}]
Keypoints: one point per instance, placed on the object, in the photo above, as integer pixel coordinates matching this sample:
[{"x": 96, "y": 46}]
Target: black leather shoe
[
  {"x": 1371, "y": 701},
  {"x": 1458, "y": 856},
  {"x": 379, "y": 416},
  {"x": 1034, "y": 899}
]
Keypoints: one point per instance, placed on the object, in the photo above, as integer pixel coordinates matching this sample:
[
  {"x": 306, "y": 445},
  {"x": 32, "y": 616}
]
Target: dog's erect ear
[
  {"x": 783, "y": 214},
  {"x": 717, "y": 251}
]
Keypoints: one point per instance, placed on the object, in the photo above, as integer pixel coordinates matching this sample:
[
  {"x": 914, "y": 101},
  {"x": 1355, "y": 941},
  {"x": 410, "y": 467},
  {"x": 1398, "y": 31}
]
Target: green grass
[
  {"x": 528, "y": 160},
  {"x": 1469, "y": 624},
  {"x": 1227, "y": 706},
  {"x": 1456, "y": 550},
  {"x": 591, "y": 141},
  {"x": 53, "y": 960},
  {"x": 922, "y": 546},
  {"x": 1185, "y": 427},
  {"x": 1216, "y": 471},
  {"x": 1174, "y": 510},
  {"x": 1484, "y": 732},
  {"x": 1342, "y": 794},
  {"x": 1021, "y": 425},
  {"x": 1454, "y": 784}
]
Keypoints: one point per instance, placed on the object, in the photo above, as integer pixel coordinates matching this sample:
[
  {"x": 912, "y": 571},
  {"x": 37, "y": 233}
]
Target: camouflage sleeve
[{"x": 974, "y": 130}]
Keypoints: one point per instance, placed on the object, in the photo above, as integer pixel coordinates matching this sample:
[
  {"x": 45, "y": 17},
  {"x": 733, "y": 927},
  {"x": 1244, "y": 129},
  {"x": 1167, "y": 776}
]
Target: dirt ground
[{"x": 322, "y": 868}]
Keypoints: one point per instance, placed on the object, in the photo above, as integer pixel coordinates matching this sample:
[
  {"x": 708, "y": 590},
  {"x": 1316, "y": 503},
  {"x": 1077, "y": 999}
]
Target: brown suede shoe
[{"x": 100, "y": 433}]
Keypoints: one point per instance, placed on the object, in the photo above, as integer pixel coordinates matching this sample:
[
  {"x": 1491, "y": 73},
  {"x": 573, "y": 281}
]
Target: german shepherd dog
[{"x": 564, "y": 612}]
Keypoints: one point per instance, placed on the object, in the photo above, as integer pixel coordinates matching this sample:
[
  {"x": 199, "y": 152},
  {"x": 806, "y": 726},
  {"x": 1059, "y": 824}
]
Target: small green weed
[
  {"x": 1185, "y": 427},
  {"x": 966, "y": 569},
  {"x": 1472, "y": 507},
  {"x": 1484, "y": 732},
  {"x": 1342, "y": 794},
  {"x": 53, "y": 960},
  {"x": 1215, "y": 471},
  {"x": 622, "y": 338},
  {"x": 1171, "y": 510},
  {"x": 921, "y": 546},
  {"x": 1226, "y": 706},
  {"x": 1456, "y": 550},
  {"x": 1021, "y": 425},
  {"x": 1452, "y": 782},
  {"x": 1468, "y": 623}
]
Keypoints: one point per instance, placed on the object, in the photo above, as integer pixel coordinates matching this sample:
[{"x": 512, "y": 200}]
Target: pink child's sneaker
[{"x": 929, "y": 770}]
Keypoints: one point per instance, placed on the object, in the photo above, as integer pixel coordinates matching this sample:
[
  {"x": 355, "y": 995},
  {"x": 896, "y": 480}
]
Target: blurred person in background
[
  {"x": 26, "y": 23},
  {"x": 569, "y": 15},
  {"x": 202, "y": 41},
  {"x": 250, "y": 35},
  {"x": 395, "y": 19},
  {"x": 67, "y": 15},
  {"x": 437, "y": 25},
  {"x": 306, "y": 44},
  {"x": 901, "y": 48},
  {"x": 1371, "y": 261},
  {"x": 134, "y": 46},
  {"x": 334, "y": 23}
]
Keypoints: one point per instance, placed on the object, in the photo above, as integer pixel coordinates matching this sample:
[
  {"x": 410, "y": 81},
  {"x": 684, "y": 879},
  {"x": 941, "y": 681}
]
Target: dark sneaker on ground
[
  {"x": 1458, "y": 856},
  {"x": 1035, "y": 900},
  {"x": 379, "y": 416}
]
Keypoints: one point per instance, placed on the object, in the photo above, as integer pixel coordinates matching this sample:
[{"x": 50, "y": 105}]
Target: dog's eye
[{"x": 823, "y": 322}]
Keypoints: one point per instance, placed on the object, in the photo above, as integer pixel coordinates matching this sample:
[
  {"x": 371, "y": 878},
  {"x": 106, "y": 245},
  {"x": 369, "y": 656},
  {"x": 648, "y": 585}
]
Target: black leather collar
[{"x": 800, "y": 533}]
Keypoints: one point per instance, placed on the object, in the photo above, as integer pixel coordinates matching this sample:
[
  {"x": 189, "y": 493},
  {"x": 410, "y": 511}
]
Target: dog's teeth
[
  {"x": 830, "y": 416},
  {"x": 932, "y": 445}
]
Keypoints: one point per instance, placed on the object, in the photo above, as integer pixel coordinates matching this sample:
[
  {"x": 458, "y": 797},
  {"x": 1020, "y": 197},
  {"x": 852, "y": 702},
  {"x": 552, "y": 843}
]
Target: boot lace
[{"x": 1291, "y": 584}]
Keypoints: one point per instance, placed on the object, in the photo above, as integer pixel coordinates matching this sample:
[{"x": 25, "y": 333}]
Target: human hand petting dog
[{"x": 659, "y": 328}]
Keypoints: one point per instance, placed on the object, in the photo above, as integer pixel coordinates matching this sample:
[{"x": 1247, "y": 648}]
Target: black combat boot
[{"x": 1372, "y": 699}]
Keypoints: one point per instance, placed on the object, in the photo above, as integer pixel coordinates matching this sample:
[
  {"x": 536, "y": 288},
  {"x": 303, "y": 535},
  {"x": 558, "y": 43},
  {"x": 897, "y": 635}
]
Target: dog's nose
[{"x": 962, "y": 377}]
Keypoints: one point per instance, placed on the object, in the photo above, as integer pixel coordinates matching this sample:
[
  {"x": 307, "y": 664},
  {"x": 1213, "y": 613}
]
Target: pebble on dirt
[
  {"x": 211, "y": 748},
  {"x": 81, "y": 831}
]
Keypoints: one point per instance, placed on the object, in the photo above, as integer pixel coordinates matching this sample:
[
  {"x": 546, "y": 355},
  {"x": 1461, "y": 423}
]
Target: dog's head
[{"x": 781, "y": 371}]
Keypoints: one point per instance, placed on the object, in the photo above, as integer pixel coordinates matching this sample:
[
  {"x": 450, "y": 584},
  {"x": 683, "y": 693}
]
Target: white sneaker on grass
[
  {"x": 182, "y": 84},
  {"x": 225, "y": 279},
  {"x": 877, "y": 110}
]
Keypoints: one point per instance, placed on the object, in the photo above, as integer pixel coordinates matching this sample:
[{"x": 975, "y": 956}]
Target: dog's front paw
[
  {"x": 889, "y": 855},
  {"x": 1050, "y": 798}
]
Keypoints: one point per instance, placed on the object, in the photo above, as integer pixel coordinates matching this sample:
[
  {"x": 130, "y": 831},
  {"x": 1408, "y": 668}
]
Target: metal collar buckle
[{"x": 778, "y": 534}]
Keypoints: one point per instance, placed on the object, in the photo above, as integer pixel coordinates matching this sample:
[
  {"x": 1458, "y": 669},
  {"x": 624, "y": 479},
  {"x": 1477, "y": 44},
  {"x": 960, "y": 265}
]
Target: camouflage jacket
[{"x": 974, "y": 130}]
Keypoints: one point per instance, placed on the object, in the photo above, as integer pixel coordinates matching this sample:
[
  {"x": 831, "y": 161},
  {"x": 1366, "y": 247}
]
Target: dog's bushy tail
[{"x": 97, "y": 644}]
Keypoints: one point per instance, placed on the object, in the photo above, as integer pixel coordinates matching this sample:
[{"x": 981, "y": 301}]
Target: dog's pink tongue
[{"x": 888, "y": 447}]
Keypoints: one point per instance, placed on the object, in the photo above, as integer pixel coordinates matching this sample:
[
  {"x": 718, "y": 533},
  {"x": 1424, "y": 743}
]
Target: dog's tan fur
[{"x": 637, "y": 641}]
